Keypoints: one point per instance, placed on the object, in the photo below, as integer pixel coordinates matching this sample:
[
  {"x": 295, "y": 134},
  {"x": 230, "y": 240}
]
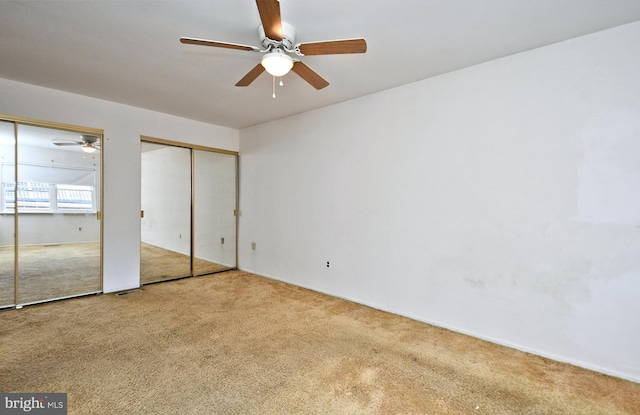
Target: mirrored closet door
[
  {"x": 214, "y": 207},
  {"x": 166, "y": 213},
  {"x": 7, "y": 218},
  {"x": 188, "y": 224},
  {"x": 51, "y": 192}
]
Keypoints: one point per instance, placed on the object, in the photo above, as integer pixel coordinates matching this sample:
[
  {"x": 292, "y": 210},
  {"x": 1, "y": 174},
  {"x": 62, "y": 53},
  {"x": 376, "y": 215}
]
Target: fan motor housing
[
  {"x": 288, "y": 37},
  {"x": 89, "y": 139}
]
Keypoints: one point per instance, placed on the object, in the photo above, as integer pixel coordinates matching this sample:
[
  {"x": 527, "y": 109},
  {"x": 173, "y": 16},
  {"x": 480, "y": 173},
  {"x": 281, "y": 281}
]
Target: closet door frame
[
  {"x": 17, "y": 122},
  {"x": 193, "y": 148}
]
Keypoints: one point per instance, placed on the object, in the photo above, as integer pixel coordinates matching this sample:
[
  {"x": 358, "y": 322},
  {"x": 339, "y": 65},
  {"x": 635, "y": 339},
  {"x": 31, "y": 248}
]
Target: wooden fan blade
[
  {"x": 270, "y": 17},
  {"x": 251, "y": 76},
  {"x": 333, "y": 47},
  {"x": 203, "y": 42},
  {"x": 309, "y": 75}
]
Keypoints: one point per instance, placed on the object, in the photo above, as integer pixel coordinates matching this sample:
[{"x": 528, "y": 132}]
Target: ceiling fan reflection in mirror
[
  {"x": 89, "y": 143},
  {"x": 278, "y": 43}
]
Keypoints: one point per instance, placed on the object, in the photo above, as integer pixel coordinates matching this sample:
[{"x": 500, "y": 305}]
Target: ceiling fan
[
  {"x": 278, "y": 43},
  {"x": 89, "y": 143}
]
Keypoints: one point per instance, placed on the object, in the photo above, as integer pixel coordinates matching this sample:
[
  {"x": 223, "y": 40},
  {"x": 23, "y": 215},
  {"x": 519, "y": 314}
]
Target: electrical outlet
[{"x": 328, "y": 264}]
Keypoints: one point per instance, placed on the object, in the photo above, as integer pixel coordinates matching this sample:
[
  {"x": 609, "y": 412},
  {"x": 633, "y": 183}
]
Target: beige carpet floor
[
  {"x": 61, "y": 270},
  {"x": 157, "y": 264},
  {"x": 50, "y": 271},
  {"x": 235, "y": 343}
]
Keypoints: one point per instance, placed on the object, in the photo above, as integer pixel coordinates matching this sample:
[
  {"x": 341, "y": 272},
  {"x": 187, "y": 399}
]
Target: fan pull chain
[{"x": 274, "y": 87}]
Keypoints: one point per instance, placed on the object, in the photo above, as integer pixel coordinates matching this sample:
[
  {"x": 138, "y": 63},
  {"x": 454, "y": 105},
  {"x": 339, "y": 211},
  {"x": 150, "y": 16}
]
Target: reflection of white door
[{"x": 52, "y": 194}]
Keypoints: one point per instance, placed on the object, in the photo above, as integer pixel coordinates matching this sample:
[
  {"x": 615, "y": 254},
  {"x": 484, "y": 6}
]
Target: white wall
[
  {"x": 501, "y": 201},
  {"x": 123, "y": 125},
  {"x": 166, "y": 198}
]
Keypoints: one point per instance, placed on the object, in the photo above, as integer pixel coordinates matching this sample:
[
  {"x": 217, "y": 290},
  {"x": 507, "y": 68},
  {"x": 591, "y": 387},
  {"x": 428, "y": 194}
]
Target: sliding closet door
[
  {"x": 214, "y": 212},
  {"x": 188, "y": 210},
  {"x": 7, "y": 219},
  {"x": 166, "y": 212},
  {"x": 57, "y": 198}
]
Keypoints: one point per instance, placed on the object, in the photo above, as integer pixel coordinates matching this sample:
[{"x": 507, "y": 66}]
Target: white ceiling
[{"x": 129, "y": 52}]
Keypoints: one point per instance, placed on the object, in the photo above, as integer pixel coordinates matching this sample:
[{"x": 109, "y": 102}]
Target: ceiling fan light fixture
[
  {"x": 278, "y": 39},
  {"x": 89, "y": 148},
  {"x": 277, "y": 63}
]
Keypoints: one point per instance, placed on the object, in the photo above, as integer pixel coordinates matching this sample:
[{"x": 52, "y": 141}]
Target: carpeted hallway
[{"x": 235, "y": 343}]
